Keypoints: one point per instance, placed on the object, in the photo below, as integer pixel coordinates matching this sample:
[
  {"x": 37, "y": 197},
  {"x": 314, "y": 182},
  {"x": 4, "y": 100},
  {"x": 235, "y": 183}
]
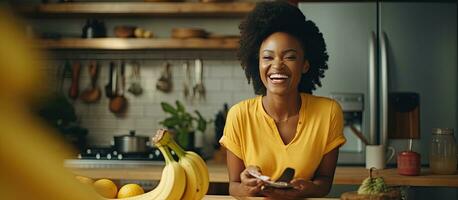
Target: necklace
[
  {"x": 296, "y": 113},
  {"x": 287, "y": 119}
]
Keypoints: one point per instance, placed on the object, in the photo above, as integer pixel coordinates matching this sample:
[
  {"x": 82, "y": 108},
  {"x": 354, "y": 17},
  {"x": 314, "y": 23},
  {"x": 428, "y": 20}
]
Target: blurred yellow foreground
[{"x": 31, "y": 157}]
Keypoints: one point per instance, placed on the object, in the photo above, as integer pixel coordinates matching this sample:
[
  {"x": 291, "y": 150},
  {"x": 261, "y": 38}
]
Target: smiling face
[{"x": 281, "y": 63}]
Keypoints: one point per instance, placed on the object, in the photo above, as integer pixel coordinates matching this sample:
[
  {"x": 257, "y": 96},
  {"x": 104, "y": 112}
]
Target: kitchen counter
[
  {"x": 220, "y": 197},
  {"x": 218, "y": 174}
]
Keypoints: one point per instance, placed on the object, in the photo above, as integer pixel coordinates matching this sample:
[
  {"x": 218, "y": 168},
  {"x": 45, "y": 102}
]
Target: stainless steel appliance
[
  {"x": 379, "y": 47},
  {"x": 131, "y": 144}
]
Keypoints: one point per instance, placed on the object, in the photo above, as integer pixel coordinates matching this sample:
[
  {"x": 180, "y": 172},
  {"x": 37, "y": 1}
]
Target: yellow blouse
[{"x": 251, "y": 134}]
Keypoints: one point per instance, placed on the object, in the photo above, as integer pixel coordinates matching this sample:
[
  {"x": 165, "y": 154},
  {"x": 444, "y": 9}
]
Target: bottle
[
  {"x": 88, "y": 29},
  {"x": 443, "y": 153}
]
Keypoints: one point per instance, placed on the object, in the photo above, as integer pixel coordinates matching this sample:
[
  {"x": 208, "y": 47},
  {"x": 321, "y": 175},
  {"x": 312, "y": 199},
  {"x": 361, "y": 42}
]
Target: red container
[{"x": 409, "y": 163}]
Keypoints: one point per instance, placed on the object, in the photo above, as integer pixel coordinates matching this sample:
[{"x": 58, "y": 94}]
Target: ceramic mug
[{"x": 376, "y": 156}]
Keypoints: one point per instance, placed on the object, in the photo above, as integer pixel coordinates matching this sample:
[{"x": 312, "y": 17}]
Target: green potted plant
[{"x": 183, "y": 123}]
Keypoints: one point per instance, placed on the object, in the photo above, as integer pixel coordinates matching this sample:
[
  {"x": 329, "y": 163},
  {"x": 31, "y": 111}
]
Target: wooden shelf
[
  {"x": 173, "y": 9},
  {"x": 135, "y": 43}
]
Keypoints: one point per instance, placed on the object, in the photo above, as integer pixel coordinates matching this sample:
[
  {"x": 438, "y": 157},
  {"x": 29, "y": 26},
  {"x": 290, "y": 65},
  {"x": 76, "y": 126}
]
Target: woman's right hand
[{"x": 251, "y": 184}]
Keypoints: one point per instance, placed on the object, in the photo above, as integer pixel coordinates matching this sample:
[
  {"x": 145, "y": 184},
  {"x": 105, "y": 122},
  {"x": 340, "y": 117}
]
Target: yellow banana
[
  {"x": 174, "y": 188},
  {"x": 203, "y": 171},
  {"x": 195, "y": 164},
  {"x": 194, "y": 181}
]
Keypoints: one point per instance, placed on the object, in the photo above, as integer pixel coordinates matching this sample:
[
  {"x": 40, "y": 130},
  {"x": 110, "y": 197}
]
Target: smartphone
[
  {"x": 270, "y": 183},
  {"x": 278, "y": 184}
]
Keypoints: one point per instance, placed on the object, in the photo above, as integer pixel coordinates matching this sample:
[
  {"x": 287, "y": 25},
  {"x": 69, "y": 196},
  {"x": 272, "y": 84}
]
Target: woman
[{"x": 284, "y": 56}]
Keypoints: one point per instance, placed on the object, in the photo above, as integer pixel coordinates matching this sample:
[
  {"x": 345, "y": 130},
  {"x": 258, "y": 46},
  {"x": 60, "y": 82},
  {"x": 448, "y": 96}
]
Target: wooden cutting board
[{"x": 391, "y": 195}]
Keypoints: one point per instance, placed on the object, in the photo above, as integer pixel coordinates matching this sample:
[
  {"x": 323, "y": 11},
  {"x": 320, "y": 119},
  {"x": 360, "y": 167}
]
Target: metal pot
[{"x": 131, "y": 143}]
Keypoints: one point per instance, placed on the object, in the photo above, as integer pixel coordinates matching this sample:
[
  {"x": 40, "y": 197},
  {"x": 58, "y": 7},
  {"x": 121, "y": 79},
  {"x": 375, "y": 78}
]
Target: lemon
[
  {"x": 130, "y": 190},
  {"x": 106, "y": 188},
  {"x": 85, "y": 180}
]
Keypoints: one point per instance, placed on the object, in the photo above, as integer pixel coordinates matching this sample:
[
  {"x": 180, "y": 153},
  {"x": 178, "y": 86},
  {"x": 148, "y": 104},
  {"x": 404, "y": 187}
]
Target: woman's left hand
[{"x": 299, "y": 190}]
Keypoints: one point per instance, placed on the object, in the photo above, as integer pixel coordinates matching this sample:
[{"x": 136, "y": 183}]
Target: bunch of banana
[
  {"x": 197, "y": 177},
  {"x": 372, "y": 185},
  {"x": 172, "y": 183},
  {"x": 186, "y": 179}
]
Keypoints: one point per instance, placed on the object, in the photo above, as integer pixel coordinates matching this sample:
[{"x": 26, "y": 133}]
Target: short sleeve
[
  {"x": 231, "y": 135},
  {"x": 336, "y": 137}
]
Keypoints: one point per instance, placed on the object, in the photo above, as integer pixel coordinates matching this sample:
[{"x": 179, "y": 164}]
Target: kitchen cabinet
[{"x": 138, "y": 10}]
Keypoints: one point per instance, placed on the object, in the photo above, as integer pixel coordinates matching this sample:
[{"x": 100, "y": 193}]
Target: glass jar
[{"x": 443, "y": 153}]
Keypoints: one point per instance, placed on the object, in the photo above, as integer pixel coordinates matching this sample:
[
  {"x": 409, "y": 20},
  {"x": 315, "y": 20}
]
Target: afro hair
[{"x": 280, "y": 16}]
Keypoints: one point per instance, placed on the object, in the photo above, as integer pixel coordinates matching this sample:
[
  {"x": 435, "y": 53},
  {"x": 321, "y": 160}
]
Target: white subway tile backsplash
[
  {"x": 145, "y": 98},
  {"x": 177, "y": 69},
  {"x": 239, "y": 96},
  {"x": 97, "y": 123},
  {"x": 217, "y": 98},
  {"x": 223, "y": 78},
  {"x": 236, "y": 84},
  {"x": 100, "y": 110},
  {"x": 146, "y": 124},
  {"x": 125, "y": 123},
  {"x": 167, "y": 97},
  {"x": 152, "y": 110},
  {"x": 239, "y": 74},
  {"x": 220, "y": 71},
  {"x": 213, "y": 84}
]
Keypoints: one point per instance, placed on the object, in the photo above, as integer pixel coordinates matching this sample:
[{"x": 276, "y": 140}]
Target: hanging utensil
[
  {"x": 164, "y": 83},
  {"x": 187, "y": 81},
  {"x": 109, "y": 86},
  {"x": 122, "y": 91},
  {"x": 114, "y": 90},
  {"x": 63, "y": 72},
  {"x": 73, "y": 92},
  {"x": 199, "y": 89},
  {"x": 92, "y": 93},
  {"x": 118, "y": 104},
  {"x": 135, "y": 87}
]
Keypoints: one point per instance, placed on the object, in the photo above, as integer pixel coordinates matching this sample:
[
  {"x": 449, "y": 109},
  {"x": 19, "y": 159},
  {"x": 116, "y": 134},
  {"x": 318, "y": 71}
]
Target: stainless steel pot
[{"x": 131, "y": 143}]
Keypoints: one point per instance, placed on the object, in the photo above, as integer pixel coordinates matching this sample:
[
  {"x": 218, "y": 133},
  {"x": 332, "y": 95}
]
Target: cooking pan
[{"x": 131, "y": 143}]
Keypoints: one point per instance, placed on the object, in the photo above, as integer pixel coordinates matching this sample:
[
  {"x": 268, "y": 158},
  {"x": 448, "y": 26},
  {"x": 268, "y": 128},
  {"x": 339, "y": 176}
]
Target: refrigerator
[{"x": 379, "y": 48}]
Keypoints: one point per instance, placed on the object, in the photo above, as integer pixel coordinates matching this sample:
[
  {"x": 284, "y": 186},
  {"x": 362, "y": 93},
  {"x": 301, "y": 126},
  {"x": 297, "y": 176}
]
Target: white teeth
[{"x": 278, "y": 76}]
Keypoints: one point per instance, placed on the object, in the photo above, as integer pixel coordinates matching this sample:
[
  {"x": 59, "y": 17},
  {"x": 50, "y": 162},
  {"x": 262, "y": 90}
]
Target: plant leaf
[
  {"x": 180, "y": 106},
  {"x": 168, "y": 108},
  {"x": 170, "y": 122},
  {"x": 198, "y": 114},
  {"x": 201, "y": 122}
]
